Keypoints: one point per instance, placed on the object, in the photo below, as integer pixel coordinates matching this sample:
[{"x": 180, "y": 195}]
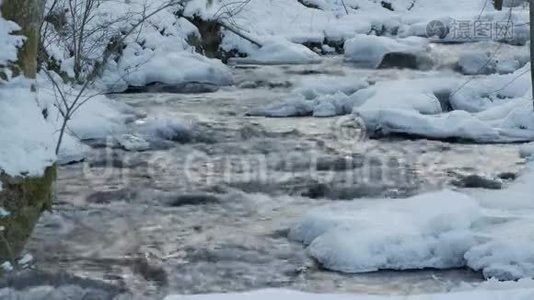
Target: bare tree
[{"x": 93, "y": 45}]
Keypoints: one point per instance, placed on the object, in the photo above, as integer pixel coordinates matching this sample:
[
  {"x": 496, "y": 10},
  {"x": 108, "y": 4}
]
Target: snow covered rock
[
  {"x": 417, "y": 95},
  {"x": 371, "y": 51},
  {"x": 488, "y": 231},
  {"x": 515, "y": 126},
  {"x": 439, "y": 109},
  {"x": 278, "y": 52},
  {"x": 177, "y": 69},
  {"x": 426, "y": 231}
]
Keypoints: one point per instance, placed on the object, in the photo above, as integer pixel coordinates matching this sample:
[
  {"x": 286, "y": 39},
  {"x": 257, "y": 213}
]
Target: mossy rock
[{"x": 25, "y": 198}]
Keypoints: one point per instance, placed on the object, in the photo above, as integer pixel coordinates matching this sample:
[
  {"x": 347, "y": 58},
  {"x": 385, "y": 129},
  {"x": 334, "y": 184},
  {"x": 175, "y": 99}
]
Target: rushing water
[{"x": 212, "y": 215}]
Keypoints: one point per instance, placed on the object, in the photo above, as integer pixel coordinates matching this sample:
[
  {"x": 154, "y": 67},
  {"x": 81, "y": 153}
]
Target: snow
[
  {"x": 156, "y": 52},
  {"x": 491, "y": 109},
  {"x": 492, "y": 291},
  {"x": 527, "y": 150},
  {"x": 426, "y": 231},
  {"x": 26, "y": 138},
  {"x": 476, "y": 63},
  {"x": 98, "y": 118},
  {"x": 9, "y": 42},
  {"x": 167, "y": 129},
  {"x": 279, "y": 51},
  {"x": 487, "y": 231},
  {"x": 313, "y": 87},
  {"x": 175, "y": 68},
  {"x": 318, "y": 96},
  {"x": 369, "y": 50}
]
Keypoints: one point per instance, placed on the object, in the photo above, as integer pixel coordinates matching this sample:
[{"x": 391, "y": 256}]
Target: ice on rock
[
  {"x": 370, "y": 50},
  {"x": 427, "y": 231}
]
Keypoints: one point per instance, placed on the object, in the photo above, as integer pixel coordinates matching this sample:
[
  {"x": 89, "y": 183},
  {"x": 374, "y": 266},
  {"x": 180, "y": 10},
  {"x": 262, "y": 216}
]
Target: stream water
[{"x": 212, "y": 215}]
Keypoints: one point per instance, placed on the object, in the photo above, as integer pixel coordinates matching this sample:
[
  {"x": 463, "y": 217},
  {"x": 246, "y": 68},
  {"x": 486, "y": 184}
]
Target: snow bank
[
  {"x": 487, "y": 231},
  {"x": 426, "y": 231},
  {"x": 515, "y": 124},
  {"x": 509, "y": 291},
  {"x": 156, "y": 52},
  {"x": 418, "y": 95},
  {"x": 487, "y": 110},
  {"x": 369, "y": 50},
  {"x": 336, "y": 21},
  {"x": 27, "y": 139},
  {"x": 98, "y": 118}
]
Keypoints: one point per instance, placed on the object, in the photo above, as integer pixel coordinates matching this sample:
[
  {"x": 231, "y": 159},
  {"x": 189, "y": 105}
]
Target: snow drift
[{"x": 487, "y": 231}]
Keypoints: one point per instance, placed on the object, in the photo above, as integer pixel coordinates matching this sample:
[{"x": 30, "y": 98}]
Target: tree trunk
[
  {"x": 28, "y": 15},
  {"x": 532, "y": 47}
]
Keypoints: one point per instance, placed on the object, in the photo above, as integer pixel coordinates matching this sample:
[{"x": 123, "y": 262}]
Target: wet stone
[
  {"x": 477, "y": 181},
  {"x": 193, "y": 199},
  {"x": 107, "y": 197}
]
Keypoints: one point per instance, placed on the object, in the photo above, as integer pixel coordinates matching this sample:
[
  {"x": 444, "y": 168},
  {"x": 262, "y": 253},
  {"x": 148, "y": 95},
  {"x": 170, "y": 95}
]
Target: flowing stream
[{"x": 212, "y": 215}]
